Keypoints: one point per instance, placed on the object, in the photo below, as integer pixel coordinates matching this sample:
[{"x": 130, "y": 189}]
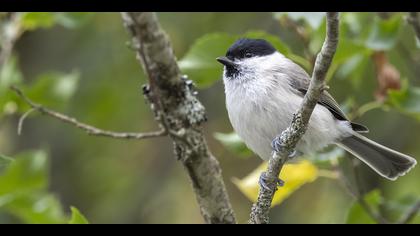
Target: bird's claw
[
  {"x": 276, "y": 144},
  {"x": 263, "y": 182},
  {"x": 294, "y": 154},
  {"x": 277, "y": 147}
]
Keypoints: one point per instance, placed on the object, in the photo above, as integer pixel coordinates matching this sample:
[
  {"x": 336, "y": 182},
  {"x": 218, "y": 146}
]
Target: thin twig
[
  {"x": 414, "y": 19},
  {"x": 22, "y": 119},
  {"x": 290, "y": 137},
  {"x": 411, "y": 213},
  {"x": 91, "y": 130}
]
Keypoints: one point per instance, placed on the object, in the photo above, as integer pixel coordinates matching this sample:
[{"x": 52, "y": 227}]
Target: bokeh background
[{"x": 82, "y": 65}]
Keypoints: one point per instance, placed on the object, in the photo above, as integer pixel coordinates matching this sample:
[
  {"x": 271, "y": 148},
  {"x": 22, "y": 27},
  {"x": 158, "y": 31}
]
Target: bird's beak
[{"x": 226, "y": 61}]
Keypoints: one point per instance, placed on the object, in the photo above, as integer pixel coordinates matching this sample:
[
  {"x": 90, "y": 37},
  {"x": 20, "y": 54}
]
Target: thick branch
[
  {"x": 414, "y": 20},
  {"x": 290, "y": 137},
  {"x": 87, "y": 128},
  {"x": 178, "y": 110}
]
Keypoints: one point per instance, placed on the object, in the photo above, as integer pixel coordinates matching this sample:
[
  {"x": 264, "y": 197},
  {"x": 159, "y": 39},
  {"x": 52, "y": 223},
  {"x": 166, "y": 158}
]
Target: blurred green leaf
[
  {"x": 37, "y": 207},
  {"x": 34, "y": 20},
  {"x": 200, "y": 60},
  {"x": 384, "y": 33},
  {"x": 354, "y": 69},
  {"x": 23, "y": 191},
  {"x": 314, "y": 19},
  {"x": 53, "y": 89},
  {"x": 358, "y": 215},
  {"x": 317, "y": 39},
  {"x": 73, "y": 19},
  {"x": 77, "y": 217},
  {"x": 233, "y": 143},
  {"x": 27, "y": 172},
  {"x": 405, "y": 100},
  {"x": 325, "y": 158},
  {"x": 10, "y": 74},
  {"x": 5, "y": 161},
  {"x": 22, "y": 187}
]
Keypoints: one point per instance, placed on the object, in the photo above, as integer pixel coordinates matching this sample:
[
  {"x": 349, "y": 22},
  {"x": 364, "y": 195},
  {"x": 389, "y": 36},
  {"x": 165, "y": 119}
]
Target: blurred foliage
[
  {"x": 406, "y": 100},
  {"x": 234, "y": 143},
  {"x": 36, "y": 20},
  {"x": 23, "y": 191},
  {"x": 358, "y": 215},
  {"x": 77, "y": 217},
  {"x": 79, "y": 64}
]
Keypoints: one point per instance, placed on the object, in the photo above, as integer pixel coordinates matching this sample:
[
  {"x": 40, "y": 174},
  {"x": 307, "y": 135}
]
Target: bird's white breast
[{"x": 260, "y": 108}]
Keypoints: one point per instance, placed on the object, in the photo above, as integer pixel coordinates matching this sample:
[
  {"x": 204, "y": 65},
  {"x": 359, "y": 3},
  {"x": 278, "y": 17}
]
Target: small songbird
[{"x": 264, "y": 89}]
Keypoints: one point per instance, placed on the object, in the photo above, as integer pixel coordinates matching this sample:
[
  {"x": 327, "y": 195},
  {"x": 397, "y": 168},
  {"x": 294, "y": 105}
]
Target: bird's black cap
[{"x": 246, "y": 47}]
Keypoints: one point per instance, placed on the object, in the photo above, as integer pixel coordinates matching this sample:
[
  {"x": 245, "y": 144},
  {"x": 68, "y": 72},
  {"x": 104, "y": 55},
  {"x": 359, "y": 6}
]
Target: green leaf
[
  {"x": 405, "y": 100},
  {"x": 54, "y": 88},
  {"x": 313, "y": 19},
  {"x": 34, "y": 20},
  {"x": 358, "y": 215},
  {"x": 384, "y": 33},
  {"x": 5, "y": 161},
  {"x": 325, "y": 158},
  {"x": 233, "y": 143},
  {"x": 73, "y": 19},
  {"x": 200, "y": 60},
  {"x": 10, "y": 74},
  {"x": 317, "y": 39},
  {"x": 28, "y": 172},
  {"x": 354, "y": 69},
  {"x": 37, "y": 207},
  {"x": 77, "y": 217}
]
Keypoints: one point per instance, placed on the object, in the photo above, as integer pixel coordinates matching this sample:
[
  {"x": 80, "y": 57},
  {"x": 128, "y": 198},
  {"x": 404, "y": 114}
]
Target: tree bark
[{"x": 178, "y": 110}]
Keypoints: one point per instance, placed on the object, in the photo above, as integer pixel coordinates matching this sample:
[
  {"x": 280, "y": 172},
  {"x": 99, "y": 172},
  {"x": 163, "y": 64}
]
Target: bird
[{"x": 263, "y": 90}]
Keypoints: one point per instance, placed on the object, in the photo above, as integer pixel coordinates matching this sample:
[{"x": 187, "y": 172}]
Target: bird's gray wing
[{"x": 326, "y": 100}]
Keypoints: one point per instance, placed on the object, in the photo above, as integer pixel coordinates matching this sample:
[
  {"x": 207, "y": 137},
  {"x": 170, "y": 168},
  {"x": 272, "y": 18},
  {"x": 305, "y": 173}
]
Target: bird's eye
[{"x": 248, "y": 55}]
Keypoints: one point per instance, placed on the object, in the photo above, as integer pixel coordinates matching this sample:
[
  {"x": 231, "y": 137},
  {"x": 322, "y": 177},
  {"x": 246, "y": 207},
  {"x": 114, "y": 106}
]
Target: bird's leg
[
  {"x": 263, "y": 182},
  {"x": 294, "y": 154},
  {"x": 277, "y": 147}
]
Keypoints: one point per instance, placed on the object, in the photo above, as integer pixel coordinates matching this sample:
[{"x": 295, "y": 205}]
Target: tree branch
[
  {"x": 414, "y": 20},
  {"x": 87, "y": 128},
  {"x": 176, "y": 108},
  {"x": 290, "y": 137}
]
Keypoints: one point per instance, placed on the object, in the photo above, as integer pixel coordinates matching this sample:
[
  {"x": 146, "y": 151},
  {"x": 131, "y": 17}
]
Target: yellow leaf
[{"x": 294, "y": 175}]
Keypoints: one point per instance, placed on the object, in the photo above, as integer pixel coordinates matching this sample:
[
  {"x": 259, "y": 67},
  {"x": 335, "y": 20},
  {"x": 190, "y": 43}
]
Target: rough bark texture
[
  {"x": 177, "y": 109},
  {"x": 290, "y": 137}
]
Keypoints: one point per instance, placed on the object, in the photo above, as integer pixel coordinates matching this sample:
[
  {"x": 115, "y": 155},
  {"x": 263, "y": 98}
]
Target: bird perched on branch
[{"x": 264, "y": 89}]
